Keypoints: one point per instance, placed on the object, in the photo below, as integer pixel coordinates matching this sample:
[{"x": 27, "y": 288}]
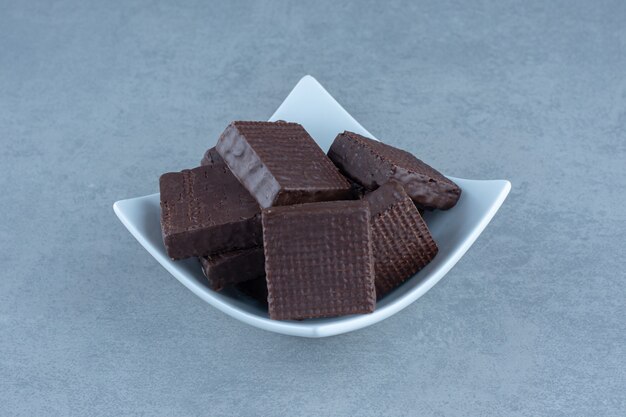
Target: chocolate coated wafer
[
  {"x": 401, "y": 240},
  {"x": 318, "y": 260},
  {"x": 280, "y": 164},
  {"x": 372, "y": 163},
  {"x": 206, "y": 211}
]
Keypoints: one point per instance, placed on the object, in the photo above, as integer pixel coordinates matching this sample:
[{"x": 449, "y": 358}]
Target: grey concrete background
[{"x": 99, "y": 98}]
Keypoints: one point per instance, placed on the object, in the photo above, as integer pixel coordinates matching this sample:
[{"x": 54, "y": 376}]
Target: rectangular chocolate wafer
[
  {"x": 229, "y": 268},
  {"x": 280, "y": 164},
  {"x": 318, "y": 260},
  {"x": 206, "y": 211},
  {"x": 401, "y": 240},
  {"x": 372, "y": 163}
]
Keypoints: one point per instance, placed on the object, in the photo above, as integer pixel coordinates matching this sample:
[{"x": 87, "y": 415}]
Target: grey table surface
[{"x": 97, "y": 99}]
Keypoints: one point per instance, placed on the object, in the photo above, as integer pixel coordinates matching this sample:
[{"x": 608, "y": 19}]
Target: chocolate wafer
[
  {"x": 280, "y": 164},
  {"x": 233, "y": 267},
  {"x": 206, "y": 211},
  {"x": 401, "y": 240},
  {"x": 318, "y": 260},
  {"x": 372, "y": 163}
]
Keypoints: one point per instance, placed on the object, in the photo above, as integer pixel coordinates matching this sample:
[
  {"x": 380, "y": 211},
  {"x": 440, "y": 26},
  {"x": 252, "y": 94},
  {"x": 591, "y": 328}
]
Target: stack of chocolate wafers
[{"x": 309, "y": 234}]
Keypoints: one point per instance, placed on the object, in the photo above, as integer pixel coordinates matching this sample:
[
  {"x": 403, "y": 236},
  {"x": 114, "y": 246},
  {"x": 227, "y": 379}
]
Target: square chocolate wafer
[
  {"x": 401, "y": 240},
  {"x": 372, "y": 163},
  {"x": 318, "y": 260},
  {"x": 280, "y": 164},
  {"x": 205, "y": 210},
  {"x": 233, "y": 267}
]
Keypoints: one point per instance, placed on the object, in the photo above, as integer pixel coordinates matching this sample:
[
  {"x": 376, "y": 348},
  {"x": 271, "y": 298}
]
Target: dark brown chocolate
[
  {"x": 401, "y": 240},
  {"x": 211, "y": 157},
  {"x": 318, "y": 260},
  {"x": 233, "y": 267},
  {"x": 280, "y": 164},
  {"x": 206, "y": 211},
  {"x": 372, "y": 163}
]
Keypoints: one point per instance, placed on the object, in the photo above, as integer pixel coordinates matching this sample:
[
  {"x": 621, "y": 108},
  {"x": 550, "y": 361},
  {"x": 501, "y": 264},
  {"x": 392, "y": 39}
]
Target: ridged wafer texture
[
  {"x": 206, "y": 211},
  {"x": 318, "y": 260},
  {"x": 229, "y": 268},
  {"x": 402, "y": 243},
  {"x": 280, "y": 164},
  {"x": 372, "y": 163}
]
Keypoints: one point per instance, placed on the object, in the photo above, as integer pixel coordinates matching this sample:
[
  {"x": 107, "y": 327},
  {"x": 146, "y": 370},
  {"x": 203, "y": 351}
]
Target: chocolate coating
[
  {"x": 372, "y": 163},
  {"x": 206, "y": 211},
  {"x": 401, "y": 240},
  {"x": 233, "y": 267},
  {"x": 280, "y": 164},
  {"x": 318, "y": 260}
]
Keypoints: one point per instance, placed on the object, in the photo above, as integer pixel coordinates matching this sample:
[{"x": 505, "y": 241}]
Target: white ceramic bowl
[{"x": 312, "y": 106}]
